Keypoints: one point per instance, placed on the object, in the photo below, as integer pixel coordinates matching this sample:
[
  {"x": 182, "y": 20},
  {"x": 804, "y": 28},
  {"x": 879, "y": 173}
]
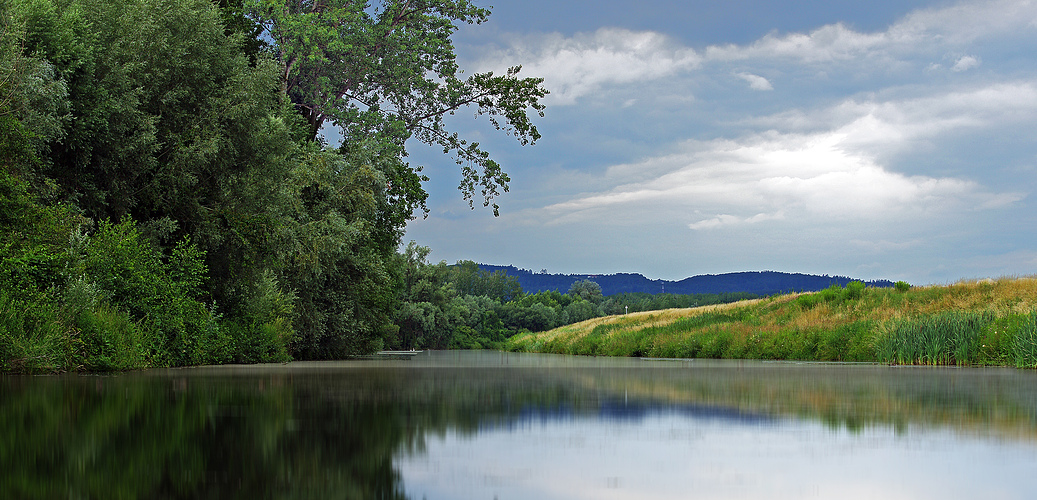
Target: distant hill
[{"x": 759, "y": 282}]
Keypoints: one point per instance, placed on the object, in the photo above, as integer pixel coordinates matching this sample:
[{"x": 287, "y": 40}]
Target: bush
[
  {"x": 112, "y": 341},
  {"x": 854, "y": 290},
  {"x": 125, "y": 295},
  {"x": 901, "y": 286},
  {"x": 833, "y": 295},
  {"x": 808, "y": 301}
]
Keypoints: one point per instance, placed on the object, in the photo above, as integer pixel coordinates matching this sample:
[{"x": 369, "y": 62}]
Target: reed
[
  {"x": 1025, "y": 345},
  {"x": 951, "y": 337}
]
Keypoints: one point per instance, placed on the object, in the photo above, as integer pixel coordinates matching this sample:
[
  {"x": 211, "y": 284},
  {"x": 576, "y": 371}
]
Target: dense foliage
[{"x": 164, "y": 197}]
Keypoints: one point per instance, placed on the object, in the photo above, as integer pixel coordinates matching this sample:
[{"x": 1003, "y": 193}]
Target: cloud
[
  {"x": 831, "y": 42},
  {"x": 872, "y": 143},
  {"x": 896, "y": 123},
  {"x": 589, "y": 63},
  {"x": 585, "y": 63},
  {"x": 812, "y": 175},
  {"x": 965, "y": 63},
  {"x": 919, "y": 31},
  {"x": 756, "y": 82},
  {"x": 732, "y": 220},
  {"x": 831, "y": 174}
]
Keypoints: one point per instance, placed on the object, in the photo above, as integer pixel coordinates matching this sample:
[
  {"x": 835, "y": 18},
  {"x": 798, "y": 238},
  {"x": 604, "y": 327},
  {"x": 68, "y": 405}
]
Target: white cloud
[
  {"x": 896, "y": 122},
  {"x": 583, "y": 64},
  {"x": 831, "y": 42},
  {"x": 832, "y": 174},
  {"x": 871, "y": 146},
  {"x": 756, "y": 82},
  {"x": 732, "y": 220},
  {"x": 965, "y": 63},
  {"x": 587, "y": 63},
  {"x": 919, "y": 31},
  {"x": 810, "y": 175},
  {"x": 968, "y": 21}
]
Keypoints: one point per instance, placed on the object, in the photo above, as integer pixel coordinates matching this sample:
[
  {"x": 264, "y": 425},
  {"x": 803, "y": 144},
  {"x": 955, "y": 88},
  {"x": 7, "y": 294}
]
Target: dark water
[{"x": 485, "y": 425}]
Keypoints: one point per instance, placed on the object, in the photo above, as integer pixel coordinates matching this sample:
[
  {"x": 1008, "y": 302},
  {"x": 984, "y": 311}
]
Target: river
[{"x": 486, "y": 425}]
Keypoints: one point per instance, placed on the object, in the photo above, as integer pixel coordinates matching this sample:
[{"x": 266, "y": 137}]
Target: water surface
[{"x": 486, "y": 425}]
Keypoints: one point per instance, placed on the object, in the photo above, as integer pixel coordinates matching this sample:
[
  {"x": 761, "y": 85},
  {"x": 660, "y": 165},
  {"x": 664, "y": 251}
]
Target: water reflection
[{"x": 479, "y": 425}]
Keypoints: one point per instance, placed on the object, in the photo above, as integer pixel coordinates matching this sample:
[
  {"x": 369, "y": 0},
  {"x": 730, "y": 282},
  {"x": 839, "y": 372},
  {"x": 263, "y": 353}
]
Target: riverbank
[{"x": 979, "y": 322}]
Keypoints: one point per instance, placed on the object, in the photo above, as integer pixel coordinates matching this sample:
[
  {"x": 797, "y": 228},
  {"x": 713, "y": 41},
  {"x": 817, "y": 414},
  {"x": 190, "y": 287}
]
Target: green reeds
[
  {"x": 1025, "y": 345},
  {"x": 941, "y": 339}
]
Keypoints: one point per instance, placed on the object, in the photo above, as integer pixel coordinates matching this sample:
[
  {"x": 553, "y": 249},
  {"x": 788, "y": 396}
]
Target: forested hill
[{"x": 758, "y": 282}]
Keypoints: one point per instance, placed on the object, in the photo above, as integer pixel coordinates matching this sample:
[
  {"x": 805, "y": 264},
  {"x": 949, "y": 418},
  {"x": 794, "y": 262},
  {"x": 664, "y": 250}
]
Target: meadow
[{"x": 969, "y": 323}]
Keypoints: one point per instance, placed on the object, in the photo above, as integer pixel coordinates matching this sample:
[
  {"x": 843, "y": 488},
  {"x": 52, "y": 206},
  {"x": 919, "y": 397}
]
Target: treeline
[
  {"x": 166, "y": 198},
  {"x": 758, "y": 282},
  {"x": 464, "y": 307}
]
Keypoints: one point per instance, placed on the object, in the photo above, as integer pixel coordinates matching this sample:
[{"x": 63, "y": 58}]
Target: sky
[{"x": 876, "y": 140}]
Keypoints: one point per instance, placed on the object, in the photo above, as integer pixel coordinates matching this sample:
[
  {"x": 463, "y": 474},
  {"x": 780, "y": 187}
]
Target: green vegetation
[
  {"x": 166, "y": 200},
  {"x": 165, "y": 196},
  {"x": 463, "y": 307},
  {"x": 969, "y": 323}
]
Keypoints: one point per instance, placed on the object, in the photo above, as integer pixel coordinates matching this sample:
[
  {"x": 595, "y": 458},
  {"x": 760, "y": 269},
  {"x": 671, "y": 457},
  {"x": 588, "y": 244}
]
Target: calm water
[{"x": 484, "y": 425}]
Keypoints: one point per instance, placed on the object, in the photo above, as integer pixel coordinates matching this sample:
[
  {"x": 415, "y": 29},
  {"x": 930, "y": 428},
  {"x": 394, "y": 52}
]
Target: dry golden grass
[{"x": 632, "y": 321}]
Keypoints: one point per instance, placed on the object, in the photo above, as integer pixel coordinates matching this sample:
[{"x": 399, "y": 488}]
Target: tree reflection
[{"x": 333, "y": 431}]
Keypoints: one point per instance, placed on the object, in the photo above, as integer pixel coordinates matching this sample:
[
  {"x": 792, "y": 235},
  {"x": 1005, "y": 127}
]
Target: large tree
[{"x": 387, "y": 71}]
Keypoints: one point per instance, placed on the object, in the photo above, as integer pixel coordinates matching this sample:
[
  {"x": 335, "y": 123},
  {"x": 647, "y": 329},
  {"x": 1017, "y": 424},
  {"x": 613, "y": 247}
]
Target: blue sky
[{"x": 868, "y": 139}]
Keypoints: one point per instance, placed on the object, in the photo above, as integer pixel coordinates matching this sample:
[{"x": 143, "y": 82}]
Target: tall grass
[
  {"x": 951, "y": 337},
  {"x": 32, "y": 338},
  {"x": 1025, "y": 345},
  {"x": 992, "y": 322}
]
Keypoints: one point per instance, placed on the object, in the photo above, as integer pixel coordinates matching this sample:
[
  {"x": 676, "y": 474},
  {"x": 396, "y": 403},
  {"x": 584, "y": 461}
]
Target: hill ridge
[{"x": 758, "y": 282}]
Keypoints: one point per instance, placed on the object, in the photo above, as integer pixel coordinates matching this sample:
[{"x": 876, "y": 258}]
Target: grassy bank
[{"x": 985, "y": 322}]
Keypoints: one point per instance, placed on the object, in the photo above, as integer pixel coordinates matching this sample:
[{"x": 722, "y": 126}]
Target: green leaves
[
  {"x": 191, "y": 123},
  {"x": 388, "y": 72}
]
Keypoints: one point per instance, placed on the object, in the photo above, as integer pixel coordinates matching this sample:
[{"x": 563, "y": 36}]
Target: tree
[
  {"x": 387, "y": 72},
  {"x": 468, "y": 279},
  {"x": 33, "y": 101},
  {"x": 344, "y": 278},
  {"x": 586, "y": 290}
]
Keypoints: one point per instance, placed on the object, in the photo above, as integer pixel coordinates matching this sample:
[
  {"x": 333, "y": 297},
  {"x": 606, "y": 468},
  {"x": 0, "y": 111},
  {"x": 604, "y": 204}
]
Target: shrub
[
  {"x": 808, "y": 301},
  {"x": 112, "y": 341},
  {"x": 842, "y": 343},
  {"x": 834, "y": 294},
  {"x": 901, "y": 286},
  {"x": 151, "y": 302},
  {"x": 854, "y": 290}
]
